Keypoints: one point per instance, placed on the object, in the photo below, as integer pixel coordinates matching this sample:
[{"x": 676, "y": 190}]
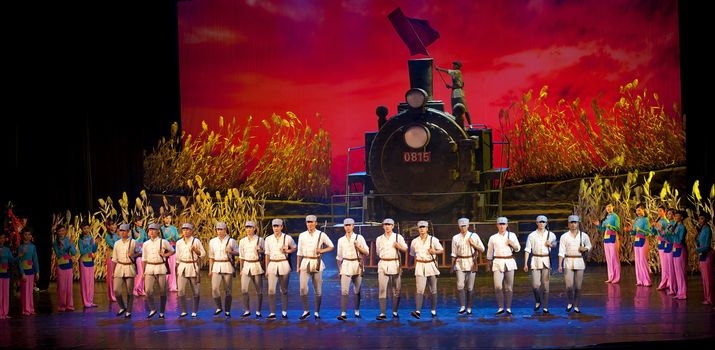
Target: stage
[{"x": 612, "y": 316}]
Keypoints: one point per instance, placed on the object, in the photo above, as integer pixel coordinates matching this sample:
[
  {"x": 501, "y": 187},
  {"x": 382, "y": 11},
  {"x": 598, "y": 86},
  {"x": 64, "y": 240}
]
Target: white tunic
[
  {"x": 568, "y": 246},
  {"x": 150, "y": 255},
  {"x": 462, "y": 246},
  {"x": 347, "y": 250},
  {"x": 120, "y": 256},
  {"x": 247, "y": 252},
  {"x": 386, "y": 250},
  {"x": 185, "y": 256},
  {"x": 535, "y": 245},
  {"x": 419, "y": 249},
  {"x": 498, "y": 246},
  {"x": 307, "y": 248},
  {"x": 278, "y": 264},
  {"x": 217, "y": 252}
]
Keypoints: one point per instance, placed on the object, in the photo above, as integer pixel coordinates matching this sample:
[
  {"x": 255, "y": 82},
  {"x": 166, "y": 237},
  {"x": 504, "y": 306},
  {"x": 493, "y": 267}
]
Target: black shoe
[
  {"x": 499, "y": 312},
  {"x": 246, "y": 314},
  {"x": 284, "y": 316},
  {"x": 569, "y": 308},
  {"x": 121, "y": 312},
  {"x": 217, "y": 312},
  {"x": 395, "y": 315},
  {"x": 462, "y": 311},
  {"x": 576, "y": 310},
  {"x": 537, "y": 307},
  {"x": 545, "y": 311},
  {"x": 469, "y": 313},
  {"x": 258, "y": 315},
  {"x": 357, "y": 316},
  {"x": 271, "y": 317},
  {"x": 317, "y": 317},
  {"x": 151, "y": 314},
  {"x": 194, "y": 315},
  {"x": 508, "y": 312},
  {"x": 305, "y": 315},
  {"x": 416, "y": 314},
  {"x": 434, "y": 314},
  {"x": 161, "y": 316},
  {"x": 380, "y": 317},
  {"x": 342, "y": 318},
  {"x": 183, "y": 314},
  {"x": 128, "y": 315},
  {"x": 227, "y": 314}
]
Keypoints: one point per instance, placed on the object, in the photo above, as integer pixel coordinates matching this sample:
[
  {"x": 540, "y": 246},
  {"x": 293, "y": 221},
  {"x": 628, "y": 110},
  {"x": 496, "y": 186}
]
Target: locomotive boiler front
[{"x": 421, "y": 160}]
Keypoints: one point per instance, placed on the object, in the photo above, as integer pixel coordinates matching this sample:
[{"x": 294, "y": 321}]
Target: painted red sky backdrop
[{"x": 341, "y": 59}]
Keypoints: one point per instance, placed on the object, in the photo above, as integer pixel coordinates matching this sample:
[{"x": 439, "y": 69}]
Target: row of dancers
[
  {"x": 140, "y": 258},
  {"x": 669, "y": 228}
]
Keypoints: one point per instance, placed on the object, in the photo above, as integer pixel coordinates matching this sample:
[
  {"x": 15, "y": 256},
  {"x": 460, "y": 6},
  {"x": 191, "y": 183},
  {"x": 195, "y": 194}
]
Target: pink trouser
[
  {"x": 679, "y": 267},
  {"x": 641, "y": 262},
  {"x": 26, "y": 290},
  {"x": 4, "y": 297},
  {"x": 86, "y": 278},
  {"x": 614, "y": 266},
  {"x": 171, "y": 278},
  {"x": 672, "y": 283},
  {"x": 665, "y": 266},
  {"x": 110, "y": 277},
  {"x": 706, "y": 271},
  {"x": 64, "y": 290},
  {"x": 139, "y": 282}
]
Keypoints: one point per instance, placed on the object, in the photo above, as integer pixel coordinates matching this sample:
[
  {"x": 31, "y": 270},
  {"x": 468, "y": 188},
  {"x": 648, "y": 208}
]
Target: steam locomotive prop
[{"x": 423, "y": 163}]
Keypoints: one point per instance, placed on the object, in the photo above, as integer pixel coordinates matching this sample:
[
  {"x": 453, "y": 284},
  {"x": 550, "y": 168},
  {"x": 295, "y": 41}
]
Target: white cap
[
  {"x": 187, "y": 225},
  {"x": 312, "y": 218},
  {"x": 124, "y": 227},
  {"x": 388, "y": 221},
  {"x": 463, "y": 222},
  {"x": 348, "y": 221},
  {"x": 154, "y": 226},
  {"x": 422, "y": 223},
  {"x": 542, "y": 218},
  {"x": 250, "y": 223},
  {"x": 276, "y": 222},
  {"x": 574, "y": 218},
  {"x": 222, "y": 225},
  {"x": 502, "y": 220}
]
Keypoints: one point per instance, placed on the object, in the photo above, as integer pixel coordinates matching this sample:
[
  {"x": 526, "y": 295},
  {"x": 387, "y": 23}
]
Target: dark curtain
[
  {"x": 105, "y": 76},
  {"x": 697, "y": 80}
]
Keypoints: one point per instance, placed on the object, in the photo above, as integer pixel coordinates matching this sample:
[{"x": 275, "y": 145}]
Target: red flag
[{"x": 416, "y": 33}]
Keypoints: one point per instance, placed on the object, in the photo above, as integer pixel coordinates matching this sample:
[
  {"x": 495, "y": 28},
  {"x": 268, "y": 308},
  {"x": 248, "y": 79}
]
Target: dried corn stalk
[{"x": 604, "y": 141}]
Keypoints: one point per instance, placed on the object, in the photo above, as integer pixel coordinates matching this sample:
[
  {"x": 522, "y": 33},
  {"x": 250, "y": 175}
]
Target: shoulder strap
[
  {"x": 434, "y": 259},
  {"x": 196, "y": 263},
  {"x": 317, "y": 245},
  {"x": 161, "y": 248},
  {"x": 320, "y": 235},
  {"x": 357, "y": 253},
  {"x": 397, "y": 240},
  {"x": 470, "y": 244},
  {"x": 284, "y": 243},
  {"x": 228, "y": 240}
]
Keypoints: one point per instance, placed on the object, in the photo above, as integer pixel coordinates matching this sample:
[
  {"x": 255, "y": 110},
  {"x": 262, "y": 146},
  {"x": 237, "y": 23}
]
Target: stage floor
[{"x": 612, "y": 316}]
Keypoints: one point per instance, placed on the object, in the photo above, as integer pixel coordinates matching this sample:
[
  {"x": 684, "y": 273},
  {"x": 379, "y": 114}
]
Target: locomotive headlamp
[
  {"x": 416, "y": 98},
  {"x": 416, "y": 136}
]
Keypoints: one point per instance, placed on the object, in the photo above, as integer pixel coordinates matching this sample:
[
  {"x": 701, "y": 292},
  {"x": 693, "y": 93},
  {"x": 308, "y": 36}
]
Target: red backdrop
[{"x": 341, "y": 59}]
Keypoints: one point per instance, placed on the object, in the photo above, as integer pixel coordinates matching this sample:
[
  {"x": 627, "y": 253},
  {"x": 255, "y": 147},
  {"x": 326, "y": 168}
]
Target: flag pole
[{"x": 425, "y": 47}]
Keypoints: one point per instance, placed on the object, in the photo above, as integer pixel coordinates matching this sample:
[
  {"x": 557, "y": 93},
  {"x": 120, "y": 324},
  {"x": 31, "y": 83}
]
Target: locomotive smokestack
[{"x": 421, "y": 75}]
